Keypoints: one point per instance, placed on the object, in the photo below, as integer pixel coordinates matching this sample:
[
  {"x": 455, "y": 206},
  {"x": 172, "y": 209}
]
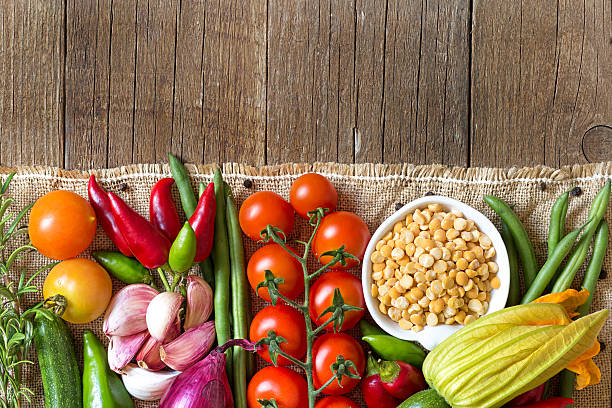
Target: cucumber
[
  {"x": 425, "y": 399},
  {"x": 58, "y": 363}
]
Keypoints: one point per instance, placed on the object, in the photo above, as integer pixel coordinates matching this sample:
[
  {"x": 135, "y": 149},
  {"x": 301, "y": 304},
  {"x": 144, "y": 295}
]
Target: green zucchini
[
  {"x": 425, "y": 399},
  {"x": 58, "y": 363}
]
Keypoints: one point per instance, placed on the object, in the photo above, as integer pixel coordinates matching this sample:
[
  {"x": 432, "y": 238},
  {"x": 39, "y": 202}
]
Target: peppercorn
[
  {"x": 542, "y": 186},
  {"x": 576, "y": 191},
  {"x": 248, "y": 183},
  {"x": 603, "y": 274},
  {"x": 429, "y": 193},
  {"x": 398, "y": 206}
]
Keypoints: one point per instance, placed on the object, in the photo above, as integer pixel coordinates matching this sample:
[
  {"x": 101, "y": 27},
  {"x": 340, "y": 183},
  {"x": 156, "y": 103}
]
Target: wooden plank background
[{"x": 96, "y": 83}]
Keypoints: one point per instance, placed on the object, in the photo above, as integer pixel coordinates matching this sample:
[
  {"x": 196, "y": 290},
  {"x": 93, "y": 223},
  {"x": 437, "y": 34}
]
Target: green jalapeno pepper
[
  {"x": 126, "y": 269},
  {"x": 367, "y": 328},
  {"x": 391, "y": 348},
  {"x": 102, "y": 388},
  {"x": 183, "y": 249}
]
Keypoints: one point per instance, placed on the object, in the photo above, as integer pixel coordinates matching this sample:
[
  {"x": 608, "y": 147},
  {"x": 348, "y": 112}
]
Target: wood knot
[{"x": 597, "y": 144}]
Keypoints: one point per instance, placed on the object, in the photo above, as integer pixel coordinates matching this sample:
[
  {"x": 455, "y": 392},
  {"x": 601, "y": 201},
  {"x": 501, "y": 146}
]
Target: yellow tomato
[{"x": 85, "y": 285}]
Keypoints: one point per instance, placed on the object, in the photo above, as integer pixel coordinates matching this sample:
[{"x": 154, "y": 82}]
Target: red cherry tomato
[
  {"x": 341, "y": 228},
  {"x": 287, "y": 387},
  {"x": 263, "y": 208},
  {"x": 325, "y": 351},
  {"x": 282, "y": 264},
  {"x": 62, "y": 224},
  {"x": 310, "y": 192},
  {"x": 336, "y": 402},
  {"x": 286, "y": 322},
  {"x": 322, "y": 294}
]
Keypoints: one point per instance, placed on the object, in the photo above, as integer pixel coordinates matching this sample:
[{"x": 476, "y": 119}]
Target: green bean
[
  {"x": 521, "y": 239},
  {"x": 591, "y": 276},
  {"x": 514, "y": 294},
  {"x": 579, "y": 254},
  {"x": 201, "y": 188},
  {"x": 240, "y": 300},
  {"x": 221, "y": 262},
  {"x": 181, "y": 178},
  {"x": 208, "y": 273},
  {"x": 550, "y": 267},
  {"x": 557, "y": 221}
]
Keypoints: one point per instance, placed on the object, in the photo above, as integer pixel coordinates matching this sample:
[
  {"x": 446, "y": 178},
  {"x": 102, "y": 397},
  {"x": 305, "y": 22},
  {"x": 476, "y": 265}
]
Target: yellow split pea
[{"x": 435, "y": 267}]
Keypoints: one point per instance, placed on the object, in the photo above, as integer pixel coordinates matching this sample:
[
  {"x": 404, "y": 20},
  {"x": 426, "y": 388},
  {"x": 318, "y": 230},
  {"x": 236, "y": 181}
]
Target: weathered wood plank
[
  {"x": 187, "y": 113},
  {"x": 31, "y": 83},
  {"x": 235, "y": 37},
  {"x": 426, "y": 83},
  {"x": 539, "y": 74},
  {"x": 155, "y": 47},
  {"x": 122, "y": 82},
  {"x": 311, "y": 96},
  {"x": 87, "y": 70}
]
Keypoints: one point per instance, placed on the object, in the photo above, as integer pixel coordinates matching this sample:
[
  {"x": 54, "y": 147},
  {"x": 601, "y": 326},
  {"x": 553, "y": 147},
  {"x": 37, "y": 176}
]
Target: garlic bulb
[
  {"x": 161, "y": 314},
  {"x": 125, "y": 314},
  {"x": 189, "y": 347}
]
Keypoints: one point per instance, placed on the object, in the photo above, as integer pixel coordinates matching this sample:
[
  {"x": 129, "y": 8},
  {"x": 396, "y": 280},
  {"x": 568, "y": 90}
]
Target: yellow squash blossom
[
  {"x": 502, "y": 355},
  {"x": 587, "y": 371}
]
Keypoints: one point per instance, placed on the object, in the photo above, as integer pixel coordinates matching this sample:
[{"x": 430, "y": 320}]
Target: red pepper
[
  {"x": 162, "y": 210},
  {"x": 146, "y": 242},
  {"x": 374, "y": 394},
  {"x": 557, "y": 402},
  {"x": 102, "y": 206},
  {"x": 203, "y": 223},
  {"x": 401, "y": 379}
]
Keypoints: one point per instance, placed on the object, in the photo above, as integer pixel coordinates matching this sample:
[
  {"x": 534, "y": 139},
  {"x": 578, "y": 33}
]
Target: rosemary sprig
[
  {"x": 341, "y": 368},
  {"x": 16, "y": 323}
]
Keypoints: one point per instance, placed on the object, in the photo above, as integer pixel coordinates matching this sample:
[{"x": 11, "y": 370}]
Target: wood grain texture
[
  {"x": 540, "y": 79},
  {"x": 31, "y": 82},
  {"x": 98, "y": 83}
]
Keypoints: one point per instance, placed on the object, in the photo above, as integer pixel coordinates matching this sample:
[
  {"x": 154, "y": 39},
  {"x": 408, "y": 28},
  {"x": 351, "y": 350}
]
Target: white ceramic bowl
[{"x": 429, "y": 337}]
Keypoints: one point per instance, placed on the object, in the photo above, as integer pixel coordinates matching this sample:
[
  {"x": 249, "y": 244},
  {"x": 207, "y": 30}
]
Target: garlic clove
[
  {"x": 122, "y": 349},
  {"x": 189, "y": 347},
  {"x": 125, "y": 314},
  {"x": 147, "y": 385},
  {"x": 148, "y": 357},
  {"x": 199, "y": 302},
  {"x": 162, "y": 312}
]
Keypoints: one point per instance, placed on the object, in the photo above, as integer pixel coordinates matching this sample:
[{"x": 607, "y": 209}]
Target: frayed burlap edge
[{"x": 365, "y": 170}]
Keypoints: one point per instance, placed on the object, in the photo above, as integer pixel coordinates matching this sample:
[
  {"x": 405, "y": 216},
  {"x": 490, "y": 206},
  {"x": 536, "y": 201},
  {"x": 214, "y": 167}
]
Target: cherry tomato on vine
[
  {"x": 325, "y": 351},
  {"x": 286, "y": 322},
  {"x": 263, "y": 208},
  {"x": 287, "y": 387},
  {"x": 85, "y": 285},
  {"x": 322, "y": 295},
  {"x": 341, "y": 228},
  {"x": 336, "y": 402},
  {"x": 311, "y": 191},
  {"x": 282, "y": 264},
  {"x": 62, "y": 224}
]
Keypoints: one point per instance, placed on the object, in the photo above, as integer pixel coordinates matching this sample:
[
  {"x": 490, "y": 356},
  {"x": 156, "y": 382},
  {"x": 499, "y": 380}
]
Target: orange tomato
[
  {"x": 85, "y": 285},
  {"x": 62, "y": 224}
]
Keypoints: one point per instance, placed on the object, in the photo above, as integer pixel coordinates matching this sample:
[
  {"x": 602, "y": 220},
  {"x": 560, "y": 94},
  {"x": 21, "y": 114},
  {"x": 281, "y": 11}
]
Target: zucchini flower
[{"x": 502, "y": 355}]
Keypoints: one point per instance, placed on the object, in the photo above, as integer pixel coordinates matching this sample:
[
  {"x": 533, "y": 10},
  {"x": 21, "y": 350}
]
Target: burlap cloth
[{"x": 372, "y": 191}]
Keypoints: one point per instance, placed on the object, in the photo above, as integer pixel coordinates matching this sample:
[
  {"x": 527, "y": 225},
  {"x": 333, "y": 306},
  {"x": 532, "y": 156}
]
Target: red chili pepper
[
  {"x": 102, "y": 206},
  {"x": 534, "y": 395},
  {"x": 146, "y": 242},
  {"x": 203, "y": 223},
  {"x": 162, "y": 210},
  {"x": 556, "y": 402}
]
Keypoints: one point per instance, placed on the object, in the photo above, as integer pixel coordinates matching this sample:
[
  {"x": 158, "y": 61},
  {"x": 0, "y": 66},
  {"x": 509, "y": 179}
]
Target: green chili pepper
[
  {"x": 126, "y": 269},
  {"x": 183, "y": 249},
  {"x": 102, "y": 388},
  {"x": 368, "y": 329},
  {"x": 394, "y": 349}
]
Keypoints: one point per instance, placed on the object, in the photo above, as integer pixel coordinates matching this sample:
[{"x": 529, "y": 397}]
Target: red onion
[{"x": 204, "y": 384}]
